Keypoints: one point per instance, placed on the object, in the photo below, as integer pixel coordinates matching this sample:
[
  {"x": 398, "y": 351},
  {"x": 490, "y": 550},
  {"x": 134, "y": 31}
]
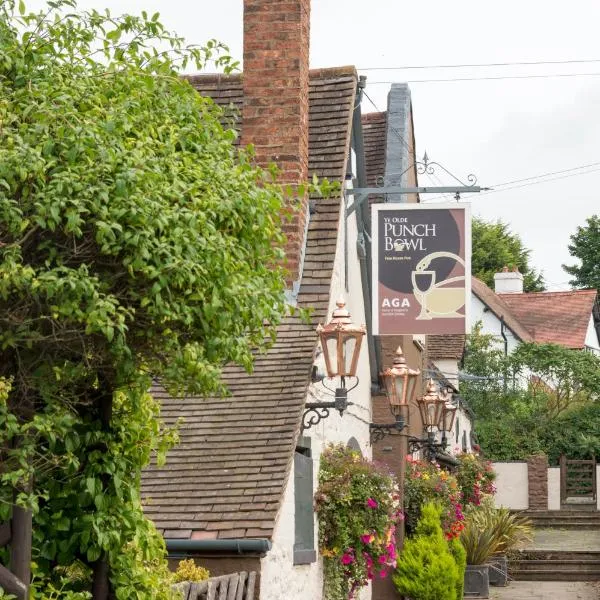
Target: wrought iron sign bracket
[
  {"x": 361, "y": 194},
  {"x": 379, "y": 430}
]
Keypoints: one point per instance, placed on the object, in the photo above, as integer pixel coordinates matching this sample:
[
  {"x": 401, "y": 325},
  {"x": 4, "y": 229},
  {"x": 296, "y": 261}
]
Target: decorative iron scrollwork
[{"x": 313, "y": 415}]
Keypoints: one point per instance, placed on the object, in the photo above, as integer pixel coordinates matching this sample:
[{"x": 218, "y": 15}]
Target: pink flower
[
  {"x": 347, "y": 559},
  {"x": 382, "y": 573},
  {"x": 372, "y": 503},
  {"x": 382, "y": 559},
  {"x": 367, "y": 538}
]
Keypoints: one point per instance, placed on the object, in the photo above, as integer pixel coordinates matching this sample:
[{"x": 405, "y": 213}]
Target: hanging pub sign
[{"x": 421, "y": 268}]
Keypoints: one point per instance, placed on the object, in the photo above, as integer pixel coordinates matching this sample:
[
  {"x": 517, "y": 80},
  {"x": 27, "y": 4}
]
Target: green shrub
[
  {"x": 187, "y": 570},
  {"x": 427, "y": 570},
  {"x": 460, "y": 558}
]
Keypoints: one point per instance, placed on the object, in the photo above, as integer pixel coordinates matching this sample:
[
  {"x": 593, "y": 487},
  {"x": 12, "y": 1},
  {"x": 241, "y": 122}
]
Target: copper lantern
[
  {"x": 431, "y": 407},
  {"x": 400, "y": 383},
  {"x": 448, "y": 413},
  {"x": 340, "y": 341}
]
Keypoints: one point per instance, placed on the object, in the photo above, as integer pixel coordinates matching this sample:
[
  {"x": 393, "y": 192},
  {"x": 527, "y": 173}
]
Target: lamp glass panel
[
  {"x": 348, "y": 347},
  {"x": 400, "y": 384},
  {"x": 410, "y": 388},
  {"x": 332, "y": 352},
  {"x": 431, "y": 414}
]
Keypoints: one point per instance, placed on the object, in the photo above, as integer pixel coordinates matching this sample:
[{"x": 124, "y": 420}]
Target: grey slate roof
[{"x": 227, "y": 476}]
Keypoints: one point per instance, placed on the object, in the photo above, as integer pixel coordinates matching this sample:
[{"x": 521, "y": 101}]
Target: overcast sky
[{"x": 501, "y": 130}]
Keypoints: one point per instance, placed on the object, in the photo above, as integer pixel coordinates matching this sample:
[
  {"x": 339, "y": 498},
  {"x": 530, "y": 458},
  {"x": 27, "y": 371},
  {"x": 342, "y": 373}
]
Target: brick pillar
[
  {"x": 391, "y": 450},
  {"x": 275, "y": 109},
  {"x": 537, "y": 475}
]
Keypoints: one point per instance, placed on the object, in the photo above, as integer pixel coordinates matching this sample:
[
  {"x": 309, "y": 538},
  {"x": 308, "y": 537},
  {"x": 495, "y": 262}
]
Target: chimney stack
[
  {"x": 275, "y": 109},
  {"x": 508, "y": 282}
]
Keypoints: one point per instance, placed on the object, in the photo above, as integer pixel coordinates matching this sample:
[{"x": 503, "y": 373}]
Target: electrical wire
[
  {"x": 489, "y": 78},
  {"x": 515, "y": 187},
  {"x": 479, "y": 65}
]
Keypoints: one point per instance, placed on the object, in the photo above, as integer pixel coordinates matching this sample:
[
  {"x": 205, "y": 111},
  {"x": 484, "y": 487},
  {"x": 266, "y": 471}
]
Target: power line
[
  {"x": 479, "y": 65},
  {"x": 547, "y": 174},
  {"x": 455, "y": 79},
  {"x": 514, "y": 187}
]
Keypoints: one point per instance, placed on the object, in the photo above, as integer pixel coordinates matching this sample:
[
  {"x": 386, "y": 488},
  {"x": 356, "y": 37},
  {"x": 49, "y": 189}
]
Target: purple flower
[{"x": 372, "y": 503}]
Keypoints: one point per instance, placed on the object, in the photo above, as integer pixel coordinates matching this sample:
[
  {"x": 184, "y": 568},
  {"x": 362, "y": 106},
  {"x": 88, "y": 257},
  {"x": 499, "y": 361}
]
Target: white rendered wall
[
  {"x": 591, "y": 338},
  {"x": 491, "y": 324},
  {"x": 512, "y": 487},
  {"x": 449, "y": 367},
  {"x": 553, "y": 488},
  {"x": 280, "y": 579}
]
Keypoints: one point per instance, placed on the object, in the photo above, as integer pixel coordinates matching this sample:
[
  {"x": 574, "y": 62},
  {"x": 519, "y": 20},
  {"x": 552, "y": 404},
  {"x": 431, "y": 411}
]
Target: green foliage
[
  {"x": 478, "y": 538},
  {"x": 509, "y": 529},
  {"x": 517, "y": 413},
  {"x": 427, "y": 570},
  {"x": 357, "y": 504},
  {"x": 494, "y": 247},
  {"x": 585, "y": 246},
  {"x": 574, "y": 434},
  {"x": 135, "y": 242},
  {"x": 460, "y": 558},
  {"x": 426, "y": 482},
  {"x": 187, "y": 570}
]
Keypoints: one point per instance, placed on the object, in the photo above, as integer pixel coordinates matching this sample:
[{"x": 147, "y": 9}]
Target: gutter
[
  {"x": 179, "y": 547},
  {"x": 363, "y": 244}
]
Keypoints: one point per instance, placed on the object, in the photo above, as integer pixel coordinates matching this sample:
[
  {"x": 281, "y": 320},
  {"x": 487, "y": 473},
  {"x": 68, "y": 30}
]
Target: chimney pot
[{"x": 508, "y": 282}]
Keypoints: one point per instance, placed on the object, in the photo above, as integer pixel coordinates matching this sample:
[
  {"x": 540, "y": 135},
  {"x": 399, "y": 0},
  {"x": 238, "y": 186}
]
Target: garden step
[
  {"x": 555, "y": 565},
  {"x": 566, "y": 524},
  {"x": 558, "y": 555},
  {"x": 558, "y": 565},
  {"x": 552, "y": 575}
]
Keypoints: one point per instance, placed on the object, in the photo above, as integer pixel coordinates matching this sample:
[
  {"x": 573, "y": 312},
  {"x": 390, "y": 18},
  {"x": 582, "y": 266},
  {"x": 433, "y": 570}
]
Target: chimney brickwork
[{"x": 275, "y": 109}]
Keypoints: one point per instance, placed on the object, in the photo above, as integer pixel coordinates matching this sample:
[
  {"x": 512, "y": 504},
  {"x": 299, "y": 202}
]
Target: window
[
  {"x": 457, "y": 428},
  {"x": 304, "y": 534}
]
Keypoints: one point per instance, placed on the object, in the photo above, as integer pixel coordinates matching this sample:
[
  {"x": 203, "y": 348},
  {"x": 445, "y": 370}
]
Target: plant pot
[
  {"x": 477, "y": 581},
  {"x": 498, "y": 569}
]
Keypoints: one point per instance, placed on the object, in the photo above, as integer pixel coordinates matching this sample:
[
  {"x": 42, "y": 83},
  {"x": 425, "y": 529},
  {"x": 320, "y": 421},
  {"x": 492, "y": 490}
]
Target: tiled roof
[
  {"x": 445, "y": 346},
  {"x": 374, "y": 133},
  {"x": 500, "y": 308},
  {"x": 227, "y": 476},
  {"x": 554, "y": 317}
]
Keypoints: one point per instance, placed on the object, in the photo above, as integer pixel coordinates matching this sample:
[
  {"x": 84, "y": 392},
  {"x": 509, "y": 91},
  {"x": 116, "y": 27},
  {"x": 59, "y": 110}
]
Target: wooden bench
[{"x": 237, "y": 586}]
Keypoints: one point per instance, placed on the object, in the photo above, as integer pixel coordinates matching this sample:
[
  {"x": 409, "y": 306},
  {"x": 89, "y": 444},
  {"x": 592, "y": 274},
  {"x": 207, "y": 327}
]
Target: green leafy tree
[
  {"x": 585, "y": 246},
  {"x": 135, "y": 242},
  {"x": 520, "y": 401},
  {"x": 494, "y": 247}
]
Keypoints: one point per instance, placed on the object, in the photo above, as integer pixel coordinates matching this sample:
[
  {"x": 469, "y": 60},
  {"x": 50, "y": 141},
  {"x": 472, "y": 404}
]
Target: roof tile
[
  {"x": 227, "y": 475},
  {"x": 554, "y": 317}
]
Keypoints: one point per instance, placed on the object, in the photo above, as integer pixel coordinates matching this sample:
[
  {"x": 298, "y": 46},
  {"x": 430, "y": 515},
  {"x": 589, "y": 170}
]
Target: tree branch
[{"x": 12, "y": 584}]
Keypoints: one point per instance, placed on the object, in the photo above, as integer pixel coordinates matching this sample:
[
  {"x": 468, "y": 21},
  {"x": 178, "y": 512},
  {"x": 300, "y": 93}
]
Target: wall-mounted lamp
[
  {"x": 400, "y": 384},
  {"x": 340, "y": 341}
]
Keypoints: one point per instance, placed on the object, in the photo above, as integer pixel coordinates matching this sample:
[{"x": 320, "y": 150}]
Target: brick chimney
[
  {"x": 275, "y": 110},
  {"x": 508, "y": 282}
]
